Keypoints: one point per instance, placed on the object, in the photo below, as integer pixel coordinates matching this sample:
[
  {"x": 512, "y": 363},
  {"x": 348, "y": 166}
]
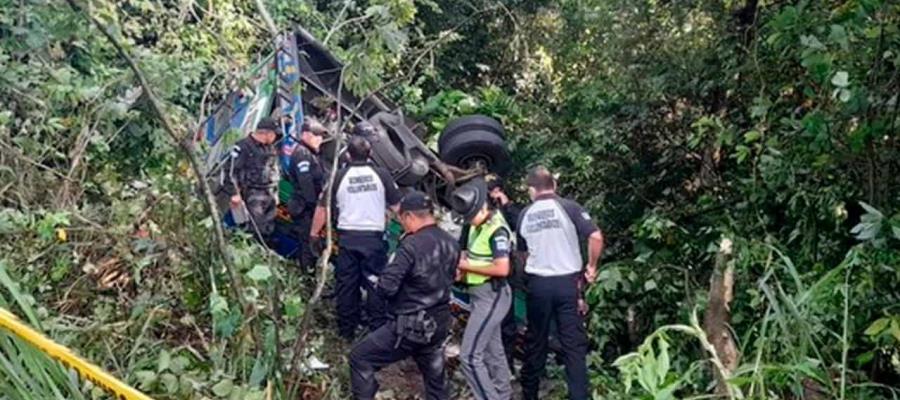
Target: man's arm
[
  {"x": 499, "y": 267},
  {"x": 318, "y": 222},
  {"x": 589, "y": 231},
  {"x": 233, "y": 166},
  {"x": 392, "y": 276},
  {"x": 301, "y": 177},
  {"x": 595, "y": 250},
  {"x": 500, "y": 248},
  {"x": 319, "y": 217}
]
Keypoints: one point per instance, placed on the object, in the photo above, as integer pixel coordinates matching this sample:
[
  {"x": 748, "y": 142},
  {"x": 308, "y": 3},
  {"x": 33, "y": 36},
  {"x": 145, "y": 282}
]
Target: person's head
[
  {"x": 470, "y": 202},
  {"x": 312, "y": 133},
  {"x": 415, "y": 211},
  {"x": 495, "y": 190},
  {"x": 364, "y": 129},
  {"x": 540, "y": 181},
  {"x": 359, "y": 149},
  {"x": 268, "y": 130}
]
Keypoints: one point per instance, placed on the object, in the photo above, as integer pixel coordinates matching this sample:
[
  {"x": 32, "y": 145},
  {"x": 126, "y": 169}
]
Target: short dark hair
[
  {"x": 493, "y": 182},
  {"x": 418, "y": 213},
  {"x": 359, "y": 148},
  {"x": 313, "y": 126},
  {"x": 540, "y": 178}
]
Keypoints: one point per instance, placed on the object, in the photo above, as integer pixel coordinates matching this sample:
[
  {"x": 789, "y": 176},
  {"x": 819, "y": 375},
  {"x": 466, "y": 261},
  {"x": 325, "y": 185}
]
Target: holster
[
  {"x": 498, "y": 283},
  {"x": 418, "y": 328}
]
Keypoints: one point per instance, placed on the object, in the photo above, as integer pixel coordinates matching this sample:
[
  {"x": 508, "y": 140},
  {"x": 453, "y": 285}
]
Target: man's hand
[
  {"x": 590, "y": 273},
  {"x": 235, "y": 200},
  {"x": 460, "y": 275},
  {"x": 499, "y": 196},
  {"x": 463, "y": 263},
  {"x": 582, "y": 307},
  {"x": 316, "y": 244}
]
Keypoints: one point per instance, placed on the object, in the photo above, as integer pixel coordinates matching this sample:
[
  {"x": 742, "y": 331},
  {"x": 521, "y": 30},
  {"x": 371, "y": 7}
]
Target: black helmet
[{"x": 468, "y": 199}]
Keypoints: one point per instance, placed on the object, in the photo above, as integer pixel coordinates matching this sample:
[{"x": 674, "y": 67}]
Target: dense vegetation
[{"x": 772, "y": 125}]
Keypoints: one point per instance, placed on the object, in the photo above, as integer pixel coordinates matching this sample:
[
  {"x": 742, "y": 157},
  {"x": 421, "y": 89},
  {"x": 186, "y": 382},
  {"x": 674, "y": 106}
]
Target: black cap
[
  {"x": 468, "y": 199},
  {"x": 269, "y": 124},
  {"x": 364, "y": 128},
  {"x": 415, "y": 201}
]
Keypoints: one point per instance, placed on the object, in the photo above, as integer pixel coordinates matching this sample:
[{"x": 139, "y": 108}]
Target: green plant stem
[{"x": 845, "y": 345}]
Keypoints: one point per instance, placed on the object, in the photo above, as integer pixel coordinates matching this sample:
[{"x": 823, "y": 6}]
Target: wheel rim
[{"x": 474, "y": 161}]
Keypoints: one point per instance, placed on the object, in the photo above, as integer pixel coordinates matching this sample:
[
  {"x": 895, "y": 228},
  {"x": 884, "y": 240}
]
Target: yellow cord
[{"x": 65, "y": 356}]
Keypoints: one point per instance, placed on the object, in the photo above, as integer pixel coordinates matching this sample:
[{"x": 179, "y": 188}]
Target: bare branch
[
  {"x": 337, "y": 24},
  {"x": 267, "y": 18},
  {"x": 303, "y": 331}
]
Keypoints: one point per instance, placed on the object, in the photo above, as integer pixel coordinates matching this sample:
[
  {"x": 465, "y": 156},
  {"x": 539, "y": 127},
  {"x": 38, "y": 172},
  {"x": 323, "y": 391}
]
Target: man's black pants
[
  {"x": 508, "y": 333},
  {"x": 381, "y": 348},
  {"x": 556, "y": 298},
  {"x": 301, "y": 225},
  {"x": 509, "y": 329},
  {"x": 361, "y": 258}
]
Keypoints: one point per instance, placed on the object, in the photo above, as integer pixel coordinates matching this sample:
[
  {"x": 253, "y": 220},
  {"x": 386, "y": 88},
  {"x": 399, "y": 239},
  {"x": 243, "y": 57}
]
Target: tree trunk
[{"x": 718, "y": 316}]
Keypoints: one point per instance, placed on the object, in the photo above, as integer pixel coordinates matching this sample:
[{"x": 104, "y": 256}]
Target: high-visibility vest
[{"x": 479, "y": 246}]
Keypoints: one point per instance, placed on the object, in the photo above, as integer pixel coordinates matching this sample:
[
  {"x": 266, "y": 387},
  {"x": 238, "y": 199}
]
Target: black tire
[
  {"x": 466, "y": 149},
  {"x": 471, "y": 123}
]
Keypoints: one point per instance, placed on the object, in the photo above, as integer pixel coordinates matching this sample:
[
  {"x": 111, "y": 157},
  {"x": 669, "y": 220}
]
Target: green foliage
[
  {"x": 650, "y": 367},
  {"x": 27, "y": 372}
]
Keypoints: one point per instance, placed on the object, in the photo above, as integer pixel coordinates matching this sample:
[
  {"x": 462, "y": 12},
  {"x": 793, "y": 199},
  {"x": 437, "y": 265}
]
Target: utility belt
[
  {"x": 496, "y": 283},
  {"x": 262, "y": 188},
  {"x": 361, "y": 234},
  {"x": 418, "y": 327}
]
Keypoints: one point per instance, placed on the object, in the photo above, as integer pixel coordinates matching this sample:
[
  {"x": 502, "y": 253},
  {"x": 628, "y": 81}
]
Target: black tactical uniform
[
  {"x": 416, "y": 285},
  {"x": 307, "y": 175},
  {"x": 253, "y": 170}
]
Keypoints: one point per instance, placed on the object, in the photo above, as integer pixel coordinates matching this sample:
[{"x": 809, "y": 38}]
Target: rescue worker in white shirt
[
  {"x": 361, "y": 195},
  {"x": 551, "y": 230},
  {"x": 484, "y": 266}
]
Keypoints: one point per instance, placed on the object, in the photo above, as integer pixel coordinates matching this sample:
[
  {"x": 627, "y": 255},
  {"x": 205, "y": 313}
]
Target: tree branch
[
  {"x": 338, "y": 25},
  {"x": 303, "y": 331},
  {"x": 267, "y": 18}
]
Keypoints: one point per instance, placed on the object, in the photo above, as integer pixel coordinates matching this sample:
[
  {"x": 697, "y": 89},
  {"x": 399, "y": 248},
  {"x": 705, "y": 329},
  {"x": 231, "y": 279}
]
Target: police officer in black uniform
[
  {"x": 551, "y": 229},
  {"x": 416, "y": 285},
  {"x": 252, "y": 170},
  {"x": 361, "y": 195},
  {"x": 306, "y": 174}
]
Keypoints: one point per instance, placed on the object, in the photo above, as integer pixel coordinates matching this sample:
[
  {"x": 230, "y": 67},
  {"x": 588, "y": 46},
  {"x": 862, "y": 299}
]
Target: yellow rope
[{"x": 65, "y": 356}]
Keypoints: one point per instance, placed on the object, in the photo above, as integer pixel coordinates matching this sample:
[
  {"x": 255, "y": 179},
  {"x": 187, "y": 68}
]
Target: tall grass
[
  {"x": 25, "y": 372},
  {"x": 791, "y": 352}
]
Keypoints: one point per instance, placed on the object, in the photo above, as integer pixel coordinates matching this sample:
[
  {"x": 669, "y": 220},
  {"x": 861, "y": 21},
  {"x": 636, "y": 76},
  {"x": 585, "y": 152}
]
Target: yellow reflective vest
[{"x": 479, "y": 246}]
